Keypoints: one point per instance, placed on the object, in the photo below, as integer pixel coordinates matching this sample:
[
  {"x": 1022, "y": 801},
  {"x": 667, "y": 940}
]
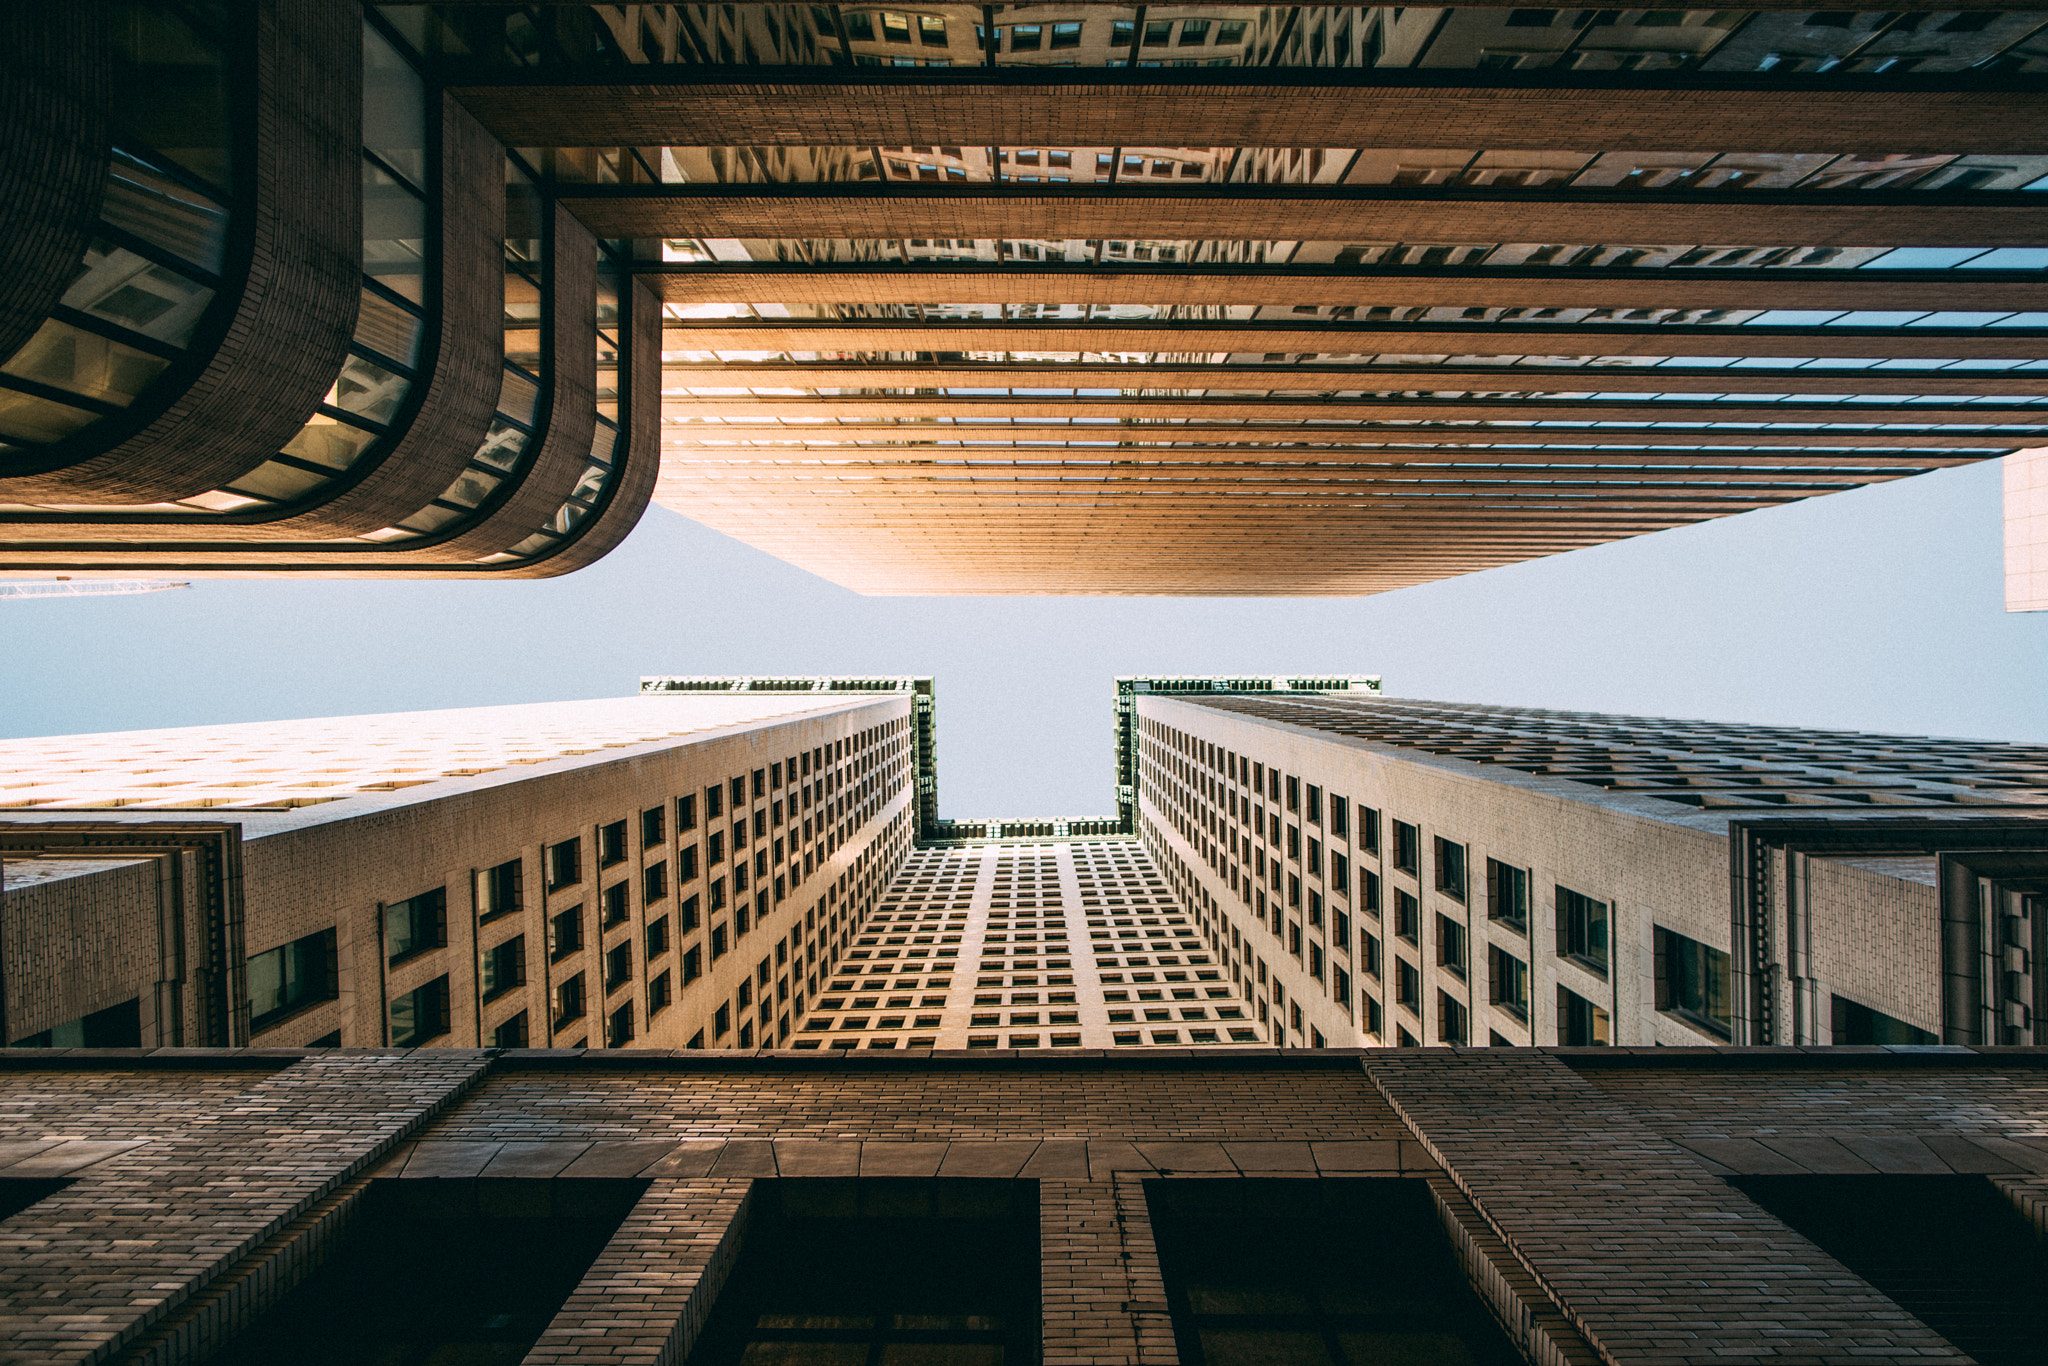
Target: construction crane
[{"x": 83, "y": 588}]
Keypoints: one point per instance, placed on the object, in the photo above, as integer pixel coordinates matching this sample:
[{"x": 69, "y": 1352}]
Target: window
[
  {"x": 714, "y": 847},
  {"x": 721, "y": 1022},
  {"x": 1340, "y": 873},
  {"x": 1293, "y": 793},
  {"x": 686, "y": 863},
  {"x": 420, "y": 1015},
  {"x": 718, "y": 944},
  {"x": 565, "y": 864},
  {"x": 501, "y": 889},
  {"x": 569, "y": 1005},
  {"x": 1407, "y": 847},
  {"x": 686, "y": 814},
  {"x": 416, "y": 924},
  {"x": 1693, "y": 983},
  {"x": 1450, "y": 868},
  {"x": 1580, "y": 1023},
  {"x": 658, "y": 994},
  {"x": 616, "y": 905},
  {"x": 1408, "y": 984},
  {"x": 739, "y": 795},
  {"x": 654, "y": 883},
  {"x": 291, "y": 977},
  {"x": 653, "y": 830},
  {"x": 657, "y": 938},
  {"x": 618, "y": 1028},
  {"x": 511, "y": 1034},
  {"x": 1066, "y": 35},
  {"x": 1340, "y": 988},
  {"x": 1450, "y": 945},
  {"x": 1340, "y": 812},
  {"x": 611, "y": 844},
  {"x": 1369, "y": 892},
  {"x": 693, "y": 965},
  {"x": 718, "y": 894},
  {"x": 618, "y": 965},
  {"x": 1194, "y": 32},
  {"x": 565, "y": 934},
  {"x": 1582, "y": 929},
  {"x": 1407, "y": 917},
  {"x": 1368, "y": 829},
  {"x": 1375, "y": 1020},
  {"x": 1230, "y": 31},
  {"x": 687, "y": 917},
  {"x": 1315, "y": 962},
  {"x": 504, "y": 967},
  {"x": 1340, "y": 932},
  {"x": 1507, "y": 895},
  {"x": 1508, "y": 982},
  {"x": 1855, "y": 1023},
  {"x": 1314, "y": 814},
  {"x": 1451, "y": 1019}
]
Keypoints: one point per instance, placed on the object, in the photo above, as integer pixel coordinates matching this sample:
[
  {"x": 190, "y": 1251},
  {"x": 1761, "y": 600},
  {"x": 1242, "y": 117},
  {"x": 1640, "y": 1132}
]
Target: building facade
[
  {"x": 1070, "y": 291},
  {"x": 586, "y": 873},
  {"x": 1378, "y": 871},
  {"x": 1642, "y": 1207}
]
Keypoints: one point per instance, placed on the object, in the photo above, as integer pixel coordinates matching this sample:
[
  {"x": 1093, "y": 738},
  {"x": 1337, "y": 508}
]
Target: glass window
[
  {"x": 1582, "y": 929},
  {"x": 416, "y": 924},
  {"x": 421, "y": 1015},
  {"x": 1693, "y": 982},
  {"x": 1450, "y": 868},
  {"x": 1507, "y": 894},
  {"x": 291, "y": 977}
]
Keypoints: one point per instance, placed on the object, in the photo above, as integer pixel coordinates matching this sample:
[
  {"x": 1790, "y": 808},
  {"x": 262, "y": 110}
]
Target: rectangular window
[
  {"x": 1066, "y": 35},
  {"x": 617, "y": 905},
  {"x": 1340, "y": 933},
  {"x": 1582, "y": 929},
  {"x": 611, "y": 844},
  {"x": 1369, "y": 953},
  {"x": 291, "y": 977},
  {"x": 1369, "y": 892},
  {"x": 504, "y": 967},
  {"x": 1314, "y": 814},
  {"x": 1293, "y": 793},
  {"x": 1375, "y": 1021},
  {"x": 511, "y": 1034},
  {"x": 1407, "y": 847},
  {"x": 686, "y": 813},
  {"x": 657, "y": 938},
  {"x": 721, "y": 1022},
  {"x": 416, "y": 924},
  {"x": 1693, "y": 982},
  {"x": 717, "y": 942},
  {"x": 1340, "y": 873},
  {"x": 658, "y": 994},
  {"x": 654, "y": 882},
  {"x": 565, "y": 864},
  {"x": 687, "y": 916},
  {"x": 1315, "y": 858},
  {"x": 686, "y": 863},
  {"x": 1855, "y": 1023},
  {"x": 618, "y": 1029},
  {"x": 1450, "y": 945},
  {"x": 718, "y": 894},
  {"x": 1407, "y": 917},
  {"x": 565, "y": 934},
  {"x": 1340, "y": 988},
  {"x": 1315, "y": 908},
  {"x": 502, "y": 890},
  {"x": 420, "y": 1015},
  {"x": 739, "y": 793},
  {"x": 1315, "y": 962},
  {"x": 714, "y": 848},
  {"x": 1508, "y": 982},
  {"x": 1294, "y": 842},
  {"x": 1451, "y": 1019},
  {"x": 1580, "y": 1023},
  {"x": 1507, "y": 894},
  {"x": 653, "y": 831},
  {"x": 1408, "y": 984},
  {"x": 569, "y": 1004},
  {"x": 714, "y": 802},
  {"x": 1368, "y": 829},
  {"x": 1340, "y": 813},
  {"x": 1450, "y": 868},
  {"x": 693, "y": 965},
  {"x": 618, "y": 965}
]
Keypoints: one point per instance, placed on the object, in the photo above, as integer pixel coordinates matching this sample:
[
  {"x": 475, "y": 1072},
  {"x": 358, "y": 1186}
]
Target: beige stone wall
[
  {"x": 1876, "y": 939},
  {"x": 78, "y": 935}
]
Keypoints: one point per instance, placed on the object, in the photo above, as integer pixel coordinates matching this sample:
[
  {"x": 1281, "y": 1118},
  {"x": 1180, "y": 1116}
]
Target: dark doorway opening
[
  {"x": 1317, "y": 1273},
  {"x": 418, "y": 1280},
  {"x": 1951, "y": 1251},
  {"x": 881, "y": 1272}
]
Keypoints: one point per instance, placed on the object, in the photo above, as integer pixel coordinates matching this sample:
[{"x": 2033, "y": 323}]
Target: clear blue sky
[{"x": 1875, "y": 609}]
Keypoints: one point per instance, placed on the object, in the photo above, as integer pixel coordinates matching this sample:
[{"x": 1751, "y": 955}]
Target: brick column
[
  {"x": 645, "y": 1299},
  {"x": 1103, "y": 1300},
  {"x": 91, "y": 1267},
  {"x": 1652, "y": 1258}
]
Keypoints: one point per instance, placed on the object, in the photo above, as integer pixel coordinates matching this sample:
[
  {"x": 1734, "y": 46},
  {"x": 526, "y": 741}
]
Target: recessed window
[
  {"x": 611, "y": 844},
  {"x": 291, "y": 977},
  {"x": 1450, "y": 868},
  {"x": 1582, "y": 929},
  {"x": 565, "y": 864},
  {"x": 1580, "y": 1023},
  {"x": 416, "y": 924},
  {"x": 1693, "y": 982},
  {"x": 501, "y": 890},
  {"x": 1407, "y": 847},
  {"x": 420, "y": 1015}
]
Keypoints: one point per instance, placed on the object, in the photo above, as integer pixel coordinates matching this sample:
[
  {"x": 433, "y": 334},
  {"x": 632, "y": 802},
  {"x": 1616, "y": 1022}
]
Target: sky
[{"x": 1875, "y": 609}]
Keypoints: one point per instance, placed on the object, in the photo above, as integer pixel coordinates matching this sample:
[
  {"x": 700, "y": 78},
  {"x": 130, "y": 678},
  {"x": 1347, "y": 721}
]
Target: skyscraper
[{"x": 1038, "y": 298}]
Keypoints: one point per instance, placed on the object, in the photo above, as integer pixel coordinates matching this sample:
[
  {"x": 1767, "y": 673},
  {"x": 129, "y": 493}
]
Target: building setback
[{"x": 1045, "y": 298}]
